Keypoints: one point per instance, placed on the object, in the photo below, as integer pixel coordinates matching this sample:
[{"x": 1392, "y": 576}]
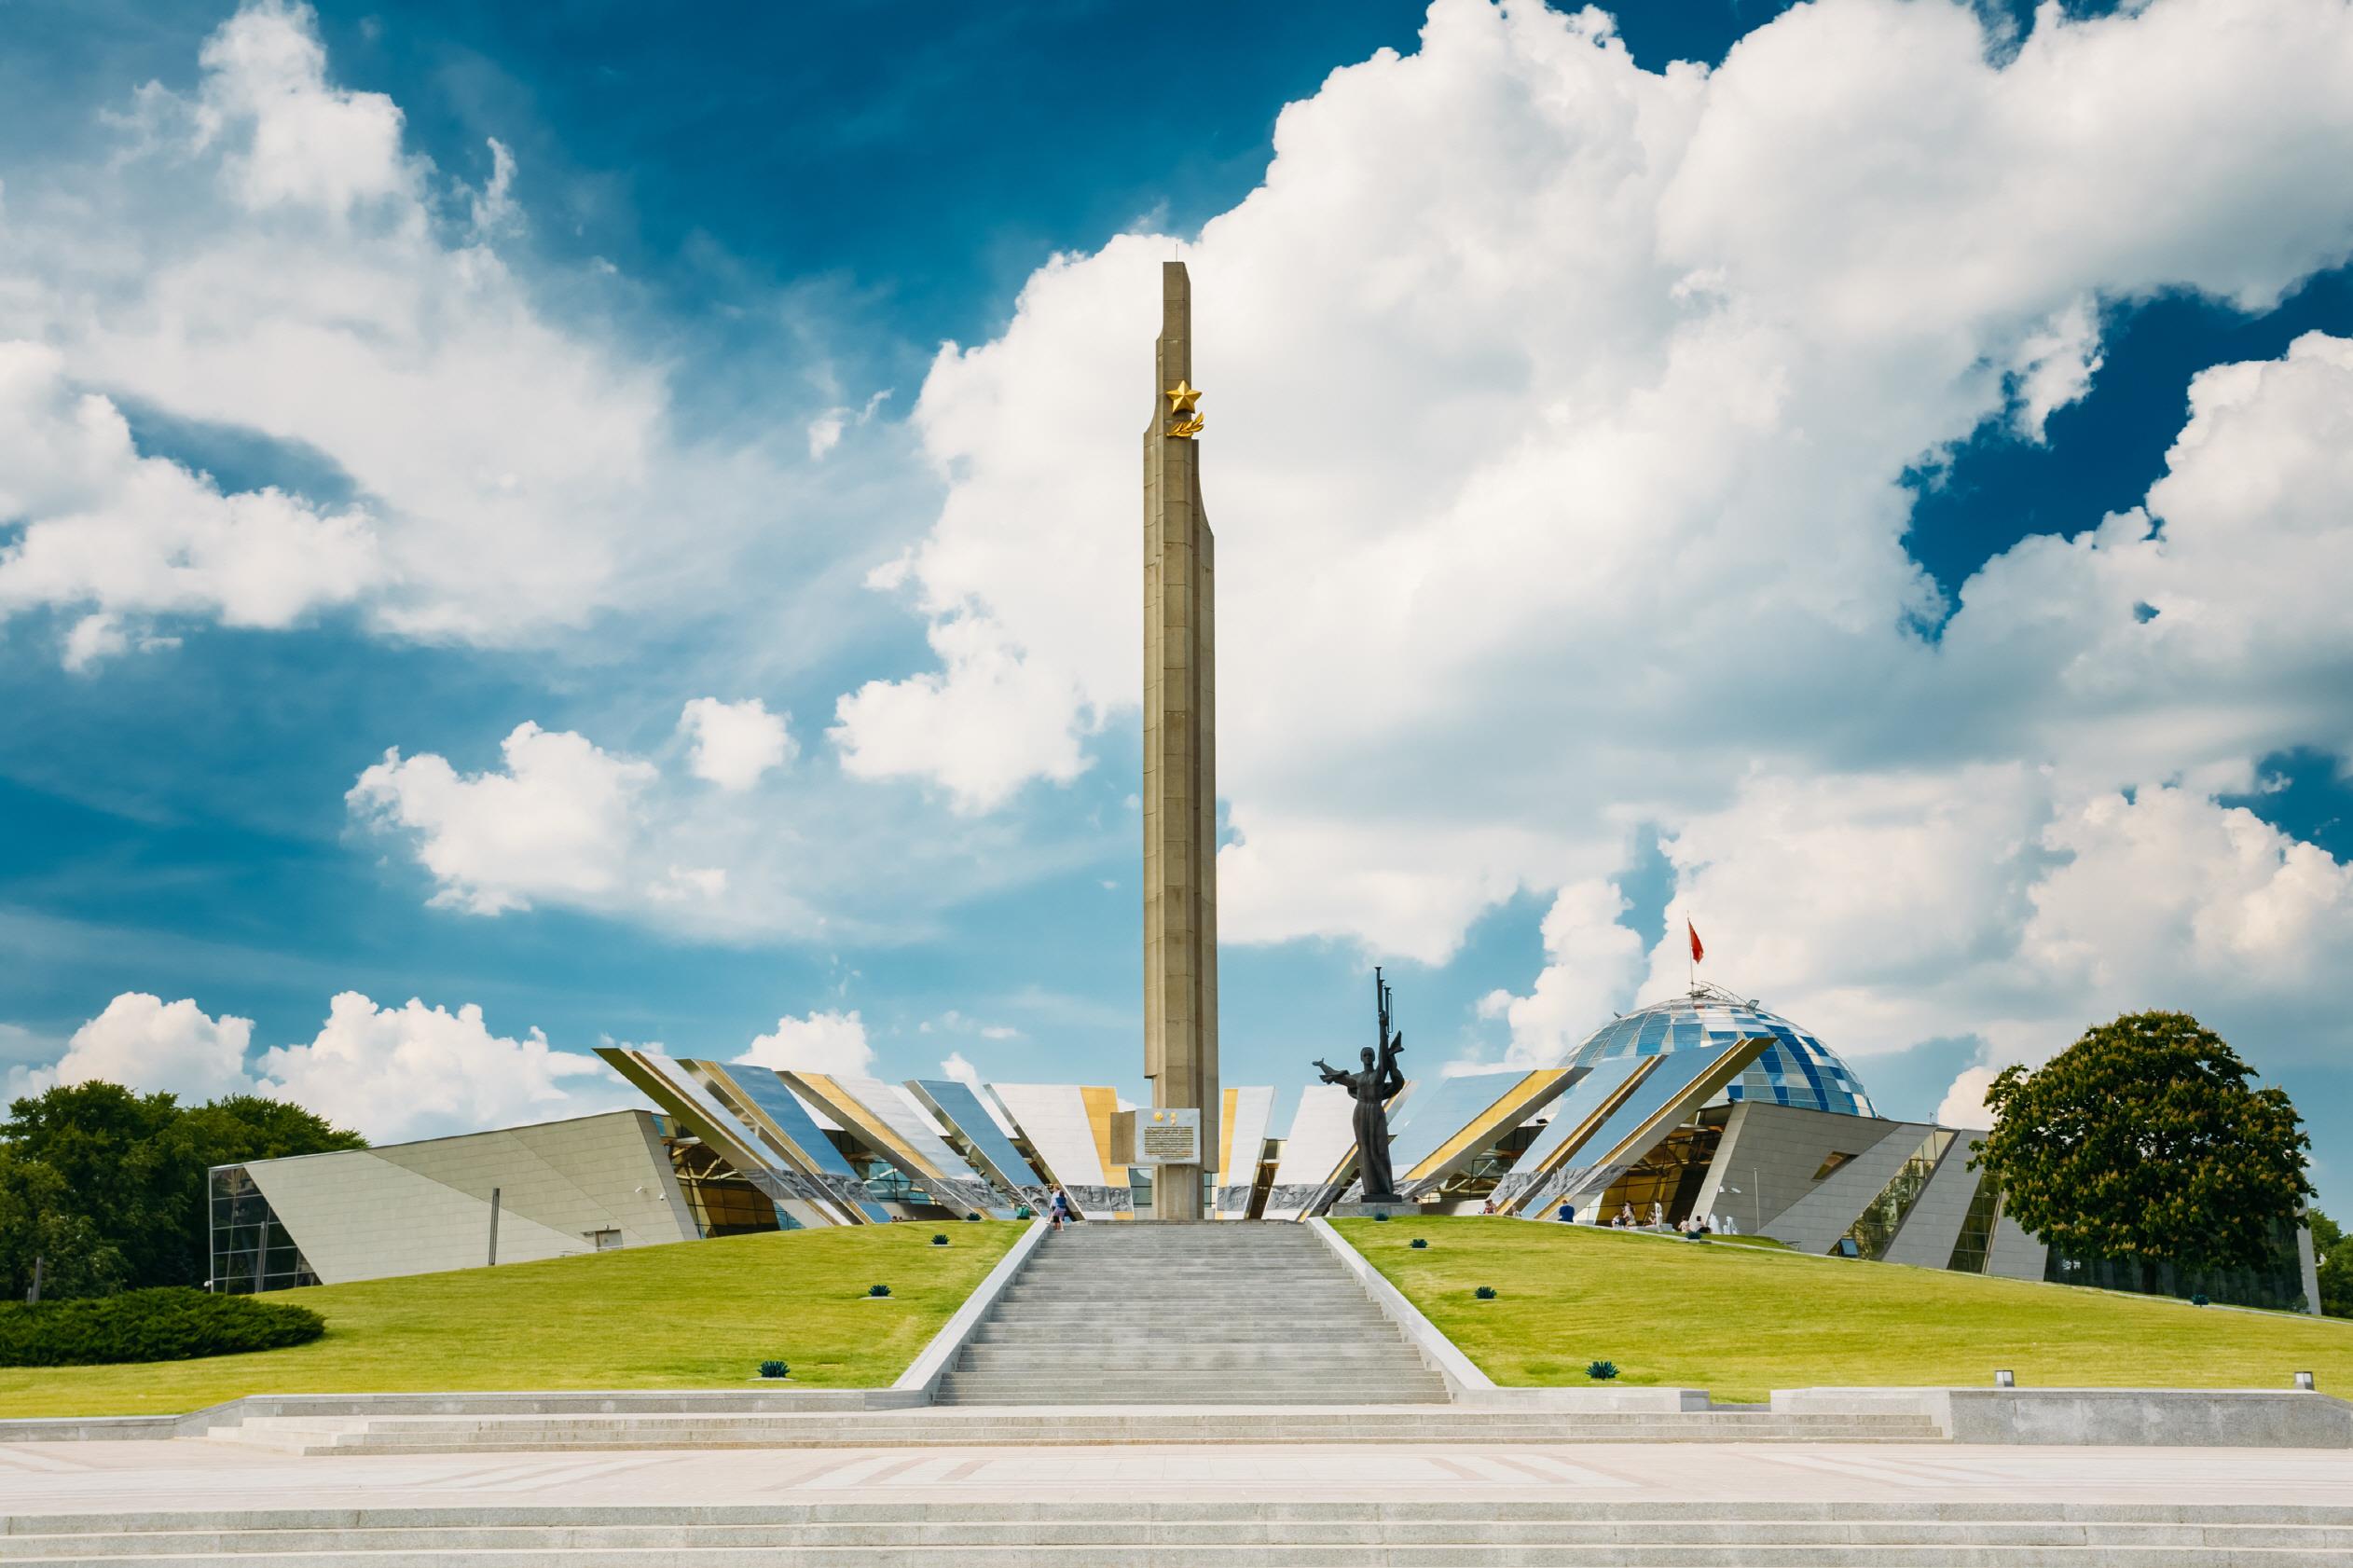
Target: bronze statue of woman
[{"x": 1373, "y": 1089}]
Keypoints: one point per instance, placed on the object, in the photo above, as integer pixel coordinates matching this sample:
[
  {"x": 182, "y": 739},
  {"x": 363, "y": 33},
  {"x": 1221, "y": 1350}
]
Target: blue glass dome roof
[{"x": 1797, "y": 1070}]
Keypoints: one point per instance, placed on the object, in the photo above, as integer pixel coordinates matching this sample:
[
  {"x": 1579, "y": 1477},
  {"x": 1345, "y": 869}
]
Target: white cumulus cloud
[
  {"x": 153, "y": 1045},
  {"x": 127, "y": 537},
  {"x": 417, "y": 1071},
  {"x": 734, "y": 742},
  {"x": 1566, "y": 490},
  {"x": 558, "y": 823},
  {"x": 823, "y": 1042},
  {"x": 266, "y": 253}
]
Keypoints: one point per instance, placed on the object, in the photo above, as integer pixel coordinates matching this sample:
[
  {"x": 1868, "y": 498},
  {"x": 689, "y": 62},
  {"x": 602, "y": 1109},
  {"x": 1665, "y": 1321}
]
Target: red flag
[{"x": 1698, "y": 952}]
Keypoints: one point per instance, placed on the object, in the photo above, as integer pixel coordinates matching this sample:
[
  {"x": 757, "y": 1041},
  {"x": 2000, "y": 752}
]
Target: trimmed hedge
[{"x": 170, "y": 1324}]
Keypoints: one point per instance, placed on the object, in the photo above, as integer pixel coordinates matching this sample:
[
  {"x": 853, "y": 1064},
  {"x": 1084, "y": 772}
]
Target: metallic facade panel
[
  {"x": 895, "y": 1128},
  {"x": 1241, "y": 1141},
  {"x": 1665, "y": 1089},
  {"x": 1576, "y": 1115},
  {"x": 1675, "y": 1089},
  {"x": 844, "y": 1103},
  {"x": 955, "y": 1104},
  {"x": 1315, "y": 1152},
  {"x": 1055, "y": 1119},
  {"x": 786, "y": 1119},
  {"x": 799, "y": 1197},
  {"x": 1458, "y": 1118},
  {"x": 762, "y": 1098}
]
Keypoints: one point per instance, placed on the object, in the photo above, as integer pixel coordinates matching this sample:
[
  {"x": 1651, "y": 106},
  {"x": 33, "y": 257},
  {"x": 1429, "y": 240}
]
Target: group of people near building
[{"x": 1694, "y": 1226}]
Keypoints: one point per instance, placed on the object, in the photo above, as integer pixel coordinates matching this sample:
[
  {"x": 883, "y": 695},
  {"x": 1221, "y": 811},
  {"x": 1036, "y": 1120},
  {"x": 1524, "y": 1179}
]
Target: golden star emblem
[{"x": 1182, "y": 397}]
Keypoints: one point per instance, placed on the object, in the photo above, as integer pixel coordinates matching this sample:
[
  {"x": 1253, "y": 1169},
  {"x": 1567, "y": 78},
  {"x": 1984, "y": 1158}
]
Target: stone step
[
  {"x": 1632, "y": 1534},
  {"x": 1031, "y": 1331},
  {"x": 1045, "y": 1355},
  {"x": 1328, "y": 1302},
  {"x": 1173, "y": 1532},
  {"x": 1187, "y": 1315},
  {"x": 1072, "y": 1430},
  {"x": 1031, "y": 1418},
  {"x": 1471, "y": 1550},
  {"x": 1173, "y": 1273}
]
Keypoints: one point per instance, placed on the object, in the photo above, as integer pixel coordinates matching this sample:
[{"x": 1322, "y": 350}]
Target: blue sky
[{"x": 729, "y": 232}]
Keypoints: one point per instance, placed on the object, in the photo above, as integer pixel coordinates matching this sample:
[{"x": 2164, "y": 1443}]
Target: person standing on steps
[{"x": 1061, "y": 1207}]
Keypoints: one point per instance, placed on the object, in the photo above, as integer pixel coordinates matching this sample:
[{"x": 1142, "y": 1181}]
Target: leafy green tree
[
  {"x": 113, "y": 1184},
  {"x": 101, "y": 1146},
  {"x": 2144, "y": 1141},
  {"x": 36, "y": 1223},
  {"x": 2335, "y": 1258}
]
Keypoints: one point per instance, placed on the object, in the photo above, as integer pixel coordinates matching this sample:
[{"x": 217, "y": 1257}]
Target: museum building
[{"x": 1703, "y": 1105}]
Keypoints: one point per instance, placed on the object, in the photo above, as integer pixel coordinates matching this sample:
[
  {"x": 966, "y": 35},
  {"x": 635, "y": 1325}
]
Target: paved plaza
[{"x": 211, "y": 1474}]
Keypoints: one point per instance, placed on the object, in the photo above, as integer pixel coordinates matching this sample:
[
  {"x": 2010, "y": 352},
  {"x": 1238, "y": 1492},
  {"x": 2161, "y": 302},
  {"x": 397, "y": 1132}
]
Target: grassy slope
[
  {"x": 691, "y": 1316},
  {"x": 1744, "y": 1321}
]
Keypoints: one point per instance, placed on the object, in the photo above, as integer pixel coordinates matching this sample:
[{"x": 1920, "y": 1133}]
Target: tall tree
[
  {"x": 110, "y": 1186},
  {"x": 37, "y": 1226},
  {"x": 2144, "y": 1141}
]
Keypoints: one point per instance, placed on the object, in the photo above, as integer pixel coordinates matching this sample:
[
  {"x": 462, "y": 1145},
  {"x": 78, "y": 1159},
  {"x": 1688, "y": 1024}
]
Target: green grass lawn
[
  {"x": 698, "y": 1315},
  {"x": 1742, "y": 1321}
]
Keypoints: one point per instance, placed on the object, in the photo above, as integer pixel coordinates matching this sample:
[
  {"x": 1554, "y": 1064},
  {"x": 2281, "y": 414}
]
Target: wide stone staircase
[
  {"x": 1126, "y": 1533},
  {"x": 1145, "y": 1313},
  {"x": 1111, "y": 1334}
]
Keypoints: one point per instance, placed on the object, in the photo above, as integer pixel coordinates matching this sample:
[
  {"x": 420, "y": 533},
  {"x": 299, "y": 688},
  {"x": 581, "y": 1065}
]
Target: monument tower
[{"x": 1180, "y": 778}]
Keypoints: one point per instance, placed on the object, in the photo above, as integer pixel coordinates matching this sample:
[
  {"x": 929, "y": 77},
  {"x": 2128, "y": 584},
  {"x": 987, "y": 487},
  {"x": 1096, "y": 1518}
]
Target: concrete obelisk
[{"x": 1180, "y": 776}]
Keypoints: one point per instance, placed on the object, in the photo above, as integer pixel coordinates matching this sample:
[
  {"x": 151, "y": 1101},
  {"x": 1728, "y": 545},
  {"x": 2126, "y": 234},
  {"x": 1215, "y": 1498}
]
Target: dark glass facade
[
  {"x": 1975, "y": 1244},
  {"x": 1873, "y": 1229},
  {"x": 251, "y": 1250},
  {"x": 2279, "y": 1285}
]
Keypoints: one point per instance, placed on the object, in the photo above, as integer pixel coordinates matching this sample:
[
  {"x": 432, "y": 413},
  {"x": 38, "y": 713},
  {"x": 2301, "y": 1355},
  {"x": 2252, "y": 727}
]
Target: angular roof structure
[{"x": 1797, "y": 1070}]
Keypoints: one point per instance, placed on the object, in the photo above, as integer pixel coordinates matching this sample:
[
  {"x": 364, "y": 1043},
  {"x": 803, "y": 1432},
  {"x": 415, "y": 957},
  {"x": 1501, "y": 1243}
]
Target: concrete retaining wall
[
  {"x": 2103, "y": 1417},
  {"x": 923, "y": 1377},
  {"x": 716, "y": 1401}
]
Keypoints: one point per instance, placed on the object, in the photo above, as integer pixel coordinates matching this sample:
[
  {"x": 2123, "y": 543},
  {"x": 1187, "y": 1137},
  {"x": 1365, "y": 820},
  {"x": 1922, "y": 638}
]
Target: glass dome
[{"x": 1797, "y": 1070}]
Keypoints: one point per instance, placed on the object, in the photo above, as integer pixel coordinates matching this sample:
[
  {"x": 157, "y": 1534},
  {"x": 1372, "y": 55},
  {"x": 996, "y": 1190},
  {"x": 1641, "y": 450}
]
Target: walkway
[{"x": 201, "y": 1473}]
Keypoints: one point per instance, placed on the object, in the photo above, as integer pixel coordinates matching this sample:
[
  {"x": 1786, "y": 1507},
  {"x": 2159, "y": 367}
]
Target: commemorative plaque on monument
[{"x": 1156, "y": 1137}]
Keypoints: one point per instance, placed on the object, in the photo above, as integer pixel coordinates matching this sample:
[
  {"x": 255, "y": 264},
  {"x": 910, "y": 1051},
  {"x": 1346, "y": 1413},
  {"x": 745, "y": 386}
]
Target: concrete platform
[
  {"x": 214, "y": 1474},
  {"x": 192, "y": 1502}
]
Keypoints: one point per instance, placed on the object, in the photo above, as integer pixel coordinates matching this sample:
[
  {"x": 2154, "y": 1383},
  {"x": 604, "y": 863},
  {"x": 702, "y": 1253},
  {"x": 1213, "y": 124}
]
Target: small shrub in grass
[
  {"x": 940, "y": 1238},
  {"x": 774, "y": 1369},
  {"x": 972, "y": 1219},
  {"x": 1420, "y": 1243},
  {"x": 878, "y": 1290},
  {"x": 1380, "y": 1214},
  {"x": 170, "y": 1324},
  {"x": 1485, "y": 1292},
  {"x": 2199, "y": 1299},
  {"x": 1600, "y": 1371}
]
